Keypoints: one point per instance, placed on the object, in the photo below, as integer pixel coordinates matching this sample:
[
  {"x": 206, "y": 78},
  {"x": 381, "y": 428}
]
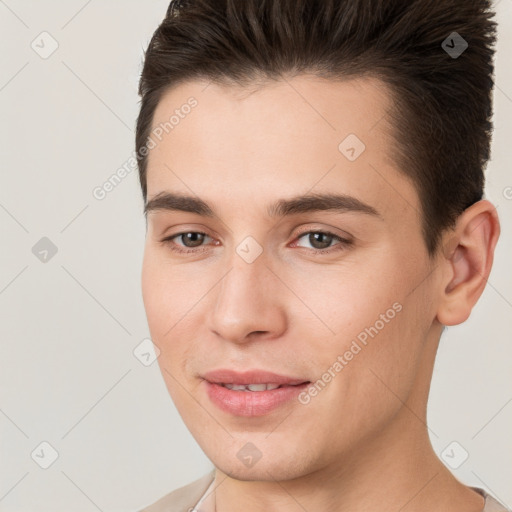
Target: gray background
[{"x": 69, "y": 325}]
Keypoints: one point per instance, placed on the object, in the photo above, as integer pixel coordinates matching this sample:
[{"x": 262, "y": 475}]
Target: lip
[
  {"x": 251, "y": 403},
  {"x": 226, "y": 376}
]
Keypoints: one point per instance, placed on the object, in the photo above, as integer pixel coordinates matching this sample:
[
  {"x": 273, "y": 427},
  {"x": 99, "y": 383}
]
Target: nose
[{"x": 248, "y": 302}]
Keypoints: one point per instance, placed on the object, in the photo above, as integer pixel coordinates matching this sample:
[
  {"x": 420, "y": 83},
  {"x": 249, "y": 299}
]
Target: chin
[{"x": 267, "y": 469}]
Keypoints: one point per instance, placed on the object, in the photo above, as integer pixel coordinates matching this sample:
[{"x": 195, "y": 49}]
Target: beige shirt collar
[{"x": 198, "y": 496}]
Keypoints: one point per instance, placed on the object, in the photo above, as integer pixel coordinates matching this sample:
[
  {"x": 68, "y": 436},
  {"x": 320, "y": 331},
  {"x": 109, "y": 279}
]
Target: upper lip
[{"x": 226, "y": 376}]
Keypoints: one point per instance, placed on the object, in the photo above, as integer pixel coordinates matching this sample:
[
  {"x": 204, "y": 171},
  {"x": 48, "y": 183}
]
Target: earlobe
[{"x": 468, "y": 261}]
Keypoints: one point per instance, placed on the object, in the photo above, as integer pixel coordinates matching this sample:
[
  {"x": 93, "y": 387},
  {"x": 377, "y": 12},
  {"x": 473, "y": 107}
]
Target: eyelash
[{"x": 343, "y": 242}]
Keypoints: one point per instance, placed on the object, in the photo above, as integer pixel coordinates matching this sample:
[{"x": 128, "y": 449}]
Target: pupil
[
  {"x": 313, "y": 239},
  {"x": 195, "y": 238}
]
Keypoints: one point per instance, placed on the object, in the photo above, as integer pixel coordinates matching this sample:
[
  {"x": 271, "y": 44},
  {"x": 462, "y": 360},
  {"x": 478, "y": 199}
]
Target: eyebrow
[{"x": 340, "y": 203}]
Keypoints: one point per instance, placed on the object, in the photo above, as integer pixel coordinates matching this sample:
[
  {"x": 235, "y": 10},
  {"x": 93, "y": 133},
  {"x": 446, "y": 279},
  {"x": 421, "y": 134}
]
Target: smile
[{"x": 251, "y": 387}]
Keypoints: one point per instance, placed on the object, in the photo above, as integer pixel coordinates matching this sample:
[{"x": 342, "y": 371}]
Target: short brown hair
[{"x": 442, "y": 101}]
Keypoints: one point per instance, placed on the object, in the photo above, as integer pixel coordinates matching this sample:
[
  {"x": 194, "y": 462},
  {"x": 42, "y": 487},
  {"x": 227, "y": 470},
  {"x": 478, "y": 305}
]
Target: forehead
[
  {"x": 291, "y": 107},
  {"x": 299, "y": 133}
]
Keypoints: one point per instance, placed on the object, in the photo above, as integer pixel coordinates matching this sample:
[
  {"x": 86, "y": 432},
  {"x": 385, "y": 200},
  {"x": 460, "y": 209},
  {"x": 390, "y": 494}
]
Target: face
[{"x": 336, "y": 294}]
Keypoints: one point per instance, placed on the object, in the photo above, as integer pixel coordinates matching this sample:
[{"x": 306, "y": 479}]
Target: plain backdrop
[{"x": 70, "y": 298}]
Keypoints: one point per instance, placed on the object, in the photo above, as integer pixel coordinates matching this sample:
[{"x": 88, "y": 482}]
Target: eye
[
  {"x": 190, "y": 241},
  {"x": 321, "y": 241}
]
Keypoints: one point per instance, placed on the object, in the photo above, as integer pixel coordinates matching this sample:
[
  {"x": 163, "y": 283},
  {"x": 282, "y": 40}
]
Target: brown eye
[
  {"x": 192, "y": 238},
  {"x": 186, "y": 241},
  {"x": 322, "y": 241}
]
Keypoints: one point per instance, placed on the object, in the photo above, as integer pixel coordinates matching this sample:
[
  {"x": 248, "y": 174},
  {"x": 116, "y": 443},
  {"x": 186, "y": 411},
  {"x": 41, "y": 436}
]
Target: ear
[{"x": 467, "y": 260}]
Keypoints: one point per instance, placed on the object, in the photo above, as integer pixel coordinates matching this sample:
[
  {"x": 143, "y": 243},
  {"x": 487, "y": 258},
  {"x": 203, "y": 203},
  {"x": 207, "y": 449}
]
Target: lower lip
[{"x": 252, "y": 403}]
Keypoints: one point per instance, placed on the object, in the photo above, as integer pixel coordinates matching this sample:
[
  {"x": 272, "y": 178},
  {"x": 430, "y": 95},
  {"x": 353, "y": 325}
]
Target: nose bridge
[{"x": 245, "y": 301}]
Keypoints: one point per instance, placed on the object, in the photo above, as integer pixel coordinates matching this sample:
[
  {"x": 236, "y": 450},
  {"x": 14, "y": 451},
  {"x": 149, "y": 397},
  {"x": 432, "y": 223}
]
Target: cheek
[
  {"x": 172, "y": 302},
  {"x": 348, "y": 298},
  {"x": 153, "y": 294},
  {"x": 373, "y": 319},
  {"x": 168, "y": 293},
  {"x": 385, "y": 370},
  {"x": 164, "y": 307}
]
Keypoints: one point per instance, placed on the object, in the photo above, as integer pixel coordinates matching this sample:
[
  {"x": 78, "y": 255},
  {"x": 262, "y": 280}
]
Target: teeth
[
  {"x": 257, "y": 387},
  {"x": 238, "y": 387},
  {"x": 251, "y": 387}
]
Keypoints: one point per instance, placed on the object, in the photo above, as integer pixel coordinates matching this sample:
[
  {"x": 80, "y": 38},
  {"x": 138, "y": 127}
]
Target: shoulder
[
  {"x": 491, "y": 503},
  {"x": 183, "y": 499}
]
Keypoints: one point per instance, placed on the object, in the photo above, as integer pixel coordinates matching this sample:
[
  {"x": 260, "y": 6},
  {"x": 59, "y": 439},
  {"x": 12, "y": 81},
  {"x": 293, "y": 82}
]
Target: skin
[{"x": 362, "y": 443}]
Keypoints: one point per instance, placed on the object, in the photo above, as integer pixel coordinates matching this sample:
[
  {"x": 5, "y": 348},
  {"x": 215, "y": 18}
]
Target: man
[{"x": 312, "y": 172}]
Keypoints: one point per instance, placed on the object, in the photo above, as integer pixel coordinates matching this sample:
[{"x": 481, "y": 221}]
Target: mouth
[
  {"x": 256, "y": 387},
  {"x": 251, "y": 393},
  {"x": 251, "y": 378}
]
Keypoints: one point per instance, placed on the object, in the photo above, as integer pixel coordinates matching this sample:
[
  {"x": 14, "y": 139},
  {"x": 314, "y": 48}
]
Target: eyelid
[{"x": 327, "y": 231}]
